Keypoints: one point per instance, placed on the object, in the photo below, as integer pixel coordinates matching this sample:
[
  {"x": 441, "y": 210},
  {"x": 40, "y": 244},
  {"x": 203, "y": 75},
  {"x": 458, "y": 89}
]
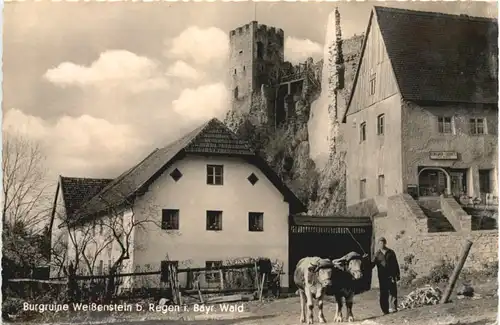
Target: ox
[
  {"x": 347, "y": 270},
  {"x": 312, "y": 275}
]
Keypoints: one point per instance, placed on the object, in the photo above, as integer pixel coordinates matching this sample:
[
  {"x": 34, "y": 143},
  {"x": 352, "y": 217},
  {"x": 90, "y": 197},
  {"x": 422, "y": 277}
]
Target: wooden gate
[{"x": 329, "y": 237}]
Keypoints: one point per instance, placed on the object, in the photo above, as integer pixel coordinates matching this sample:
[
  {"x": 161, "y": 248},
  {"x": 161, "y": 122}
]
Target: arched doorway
[{"x": 433, "y": 181}]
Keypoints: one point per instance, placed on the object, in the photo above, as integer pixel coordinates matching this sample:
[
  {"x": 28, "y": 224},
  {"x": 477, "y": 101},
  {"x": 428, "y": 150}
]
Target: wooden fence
[{"x": 251, "y": 279}]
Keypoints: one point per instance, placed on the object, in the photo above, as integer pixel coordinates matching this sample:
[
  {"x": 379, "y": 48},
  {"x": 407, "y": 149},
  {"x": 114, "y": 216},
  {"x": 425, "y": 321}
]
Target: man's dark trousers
[{"x": 388, "y": 295}]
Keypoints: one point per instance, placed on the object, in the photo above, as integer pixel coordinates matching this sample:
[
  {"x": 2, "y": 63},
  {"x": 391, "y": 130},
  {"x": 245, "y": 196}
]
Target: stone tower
[{"x": 255, "y": 51}]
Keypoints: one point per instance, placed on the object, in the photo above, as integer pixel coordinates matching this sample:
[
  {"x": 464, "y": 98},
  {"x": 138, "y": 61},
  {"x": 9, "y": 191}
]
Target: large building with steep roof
[
  {"x": 208, "y": 196},
  {"x": 422, "y": 116}
]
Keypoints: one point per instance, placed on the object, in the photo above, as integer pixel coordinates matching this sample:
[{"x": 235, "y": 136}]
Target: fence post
[
  {"x": 456, "y": 272},
  {"x": 72, "y": 288}
]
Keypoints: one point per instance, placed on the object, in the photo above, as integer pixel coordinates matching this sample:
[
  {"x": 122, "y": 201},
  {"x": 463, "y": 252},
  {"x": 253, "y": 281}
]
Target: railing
[{"x": 484, "y": 199}]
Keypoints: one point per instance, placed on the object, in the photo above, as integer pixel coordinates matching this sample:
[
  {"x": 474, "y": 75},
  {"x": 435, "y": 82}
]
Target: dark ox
[
  {"x": 346, "y": 272},
  {"x": 312, "y": 275}
]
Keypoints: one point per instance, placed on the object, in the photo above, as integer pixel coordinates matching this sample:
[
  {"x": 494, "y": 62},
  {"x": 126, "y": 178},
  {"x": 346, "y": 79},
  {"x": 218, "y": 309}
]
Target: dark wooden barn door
[{"x": 329, "y": 242}]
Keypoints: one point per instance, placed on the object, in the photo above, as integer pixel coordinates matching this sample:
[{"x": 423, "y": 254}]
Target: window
[
  {"x": 260, "y": 50},
  {"x": 214, "y": 220},
  {"x": 213, "y": 276},
  {"x": 253, "y": 179},
  {"x": 362, "y": 189},
  {"x": 373, "y": 79},
  {"x": 362, "y": 132},
  {"x": 244, "y": 69},
  {"x": 235, "y": 93},
  {"x": 255, "y": 221},
  {"x": 101, "y": 229},
  {"x": 164, "y": 267},
  {"x": 381, "y": 185},
  {"x": 176, "y": 175},
  {"x": 444, "y": 124},
  {"x": 476, "y": 126},
  {"x": 214, "y": 174},
  {"x": 170, "y": 219},
  {"x": 235, "y": 72},
  {"x": 484, "y": 181},
  {"x": 380, "y": 124}
]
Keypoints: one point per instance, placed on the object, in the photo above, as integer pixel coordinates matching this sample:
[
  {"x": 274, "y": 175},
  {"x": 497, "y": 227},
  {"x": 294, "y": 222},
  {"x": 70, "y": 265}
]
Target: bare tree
[
  {"x": 59, "y": 253},
  {"x": 121, "y": 223},
  {"x": 25, "y": 190},
  {"x": 91, "y": 236},
  {"x": 25, "y": 205}
]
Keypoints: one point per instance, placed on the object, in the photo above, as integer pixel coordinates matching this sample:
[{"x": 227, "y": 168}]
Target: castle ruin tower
[
  {"x": 255, "y": 51},
  {"x": 335, "y": 82}
]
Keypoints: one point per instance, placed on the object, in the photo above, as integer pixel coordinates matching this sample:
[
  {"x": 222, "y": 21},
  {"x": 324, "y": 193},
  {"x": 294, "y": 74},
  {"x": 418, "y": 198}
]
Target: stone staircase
[{"x": 436, "y": 220}]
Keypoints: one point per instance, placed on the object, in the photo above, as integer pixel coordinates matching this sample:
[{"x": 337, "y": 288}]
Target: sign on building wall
[{"x": 443, "y": 155}]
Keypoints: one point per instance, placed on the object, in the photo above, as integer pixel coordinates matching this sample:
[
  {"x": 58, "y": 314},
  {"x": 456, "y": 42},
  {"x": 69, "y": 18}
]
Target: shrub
[
  {"x": 442, "y": 272},
  {"x": 407, "y": 269},
  {"x": 11, "y": 306}
]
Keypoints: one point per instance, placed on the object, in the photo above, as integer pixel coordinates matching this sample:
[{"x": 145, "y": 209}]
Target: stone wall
[
  {"x": 407, "y": 235},
  {"x": 460, "y": 220},
  {"x": 405, "y": 212},
  {"x": 420, "y": 136}
]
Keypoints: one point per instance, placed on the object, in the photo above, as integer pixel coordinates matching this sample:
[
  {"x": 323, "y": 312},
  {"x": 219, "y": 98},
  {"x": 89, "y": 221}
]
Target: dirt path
[{"x": 287, "y": 311}]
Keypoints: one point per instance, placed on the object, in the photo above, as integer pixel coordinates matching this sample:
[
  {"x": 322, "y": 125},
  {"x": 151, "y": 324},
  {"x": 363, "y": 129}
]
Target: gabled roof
[
  {"x": 212, "y": 138},
  {"x": 76, "y": 191},
  {"x": 439, "y": 57}
]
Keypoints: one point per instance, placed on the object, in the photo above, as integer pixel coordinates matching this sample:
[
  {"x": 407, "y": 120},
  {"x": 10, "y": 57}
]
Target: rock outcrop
[{"x": 287, "y": 146}]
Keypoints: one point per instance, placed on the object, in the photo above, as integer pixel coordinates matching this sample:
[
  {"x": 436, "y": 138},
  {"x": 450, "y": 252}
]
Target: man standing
[{"x": 388, "y": 276}]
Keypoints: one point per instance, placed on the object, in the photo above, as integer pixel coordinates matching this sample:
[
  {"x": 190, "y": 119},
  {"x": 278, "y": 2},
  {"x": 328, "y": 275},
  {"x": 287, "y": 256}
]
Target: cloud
[
  {"x": 127, "y": 104},
  {"x": 298, "y": 50},
  {"x": 200, "y": 45},
  {"x": 83, "y": 145},
  {"x": 113, "y": 68},
  {"x": 204, "y": 102},
  {"x": 181, "y": 69}
]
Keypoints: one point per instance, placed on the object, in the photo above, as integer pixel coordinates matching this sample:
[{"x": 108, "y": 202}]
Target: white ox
[{"x": 312, "y": 275}]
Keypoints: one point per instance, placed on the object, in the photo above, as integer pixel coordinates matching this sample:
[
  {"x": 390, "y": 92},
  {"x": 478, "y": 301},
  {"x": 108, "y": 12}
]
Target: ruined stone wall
[
  {"x": 255, "y": 50},
  {"x": 351, "y": 48},
  {"x": 331, "y": 194},
  {"x": 241, "y": 61},
  {"x": 429, "y": 249},
  {"x": 253, "y": 113}
]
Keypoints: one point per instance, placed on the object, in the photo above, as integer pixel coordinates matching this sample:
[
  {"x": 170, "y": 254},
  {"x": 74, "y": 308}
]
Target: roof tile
[
  {"x": 441, "y": 57},
  {"x": 76, "y": 191},
  {"x": 212, "y": 138}
]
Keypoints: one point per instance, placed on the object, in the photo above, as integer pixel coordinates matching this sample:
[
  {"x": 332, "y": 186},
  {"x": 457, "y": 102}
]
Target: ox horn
[
  {"x": 313, "y": 267},
  {"x": 339, "y": 263}
]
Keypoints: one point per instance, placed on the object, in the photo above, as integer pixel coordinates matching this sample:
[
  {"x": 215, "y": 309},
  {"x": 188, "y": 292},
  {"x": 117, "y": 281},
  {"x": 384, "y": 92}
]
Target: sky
[{"x": 99, "y": 85}]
